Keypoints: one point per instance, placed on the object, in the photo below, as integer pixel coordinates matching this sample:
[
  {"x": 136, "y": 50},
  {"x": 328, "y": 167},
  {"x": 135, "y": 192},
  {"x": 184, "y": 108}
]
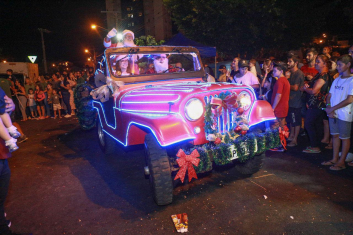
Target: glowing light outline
[
  {"x": 150, "y": 102},
  {"x": 266, "y": 119},
  {"x": 128, "y": 128}
]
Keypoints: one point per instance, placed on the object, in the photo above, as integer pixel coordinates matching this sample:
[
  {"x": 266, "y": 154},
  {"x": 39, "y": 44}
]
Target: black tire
[
  {"x": 251, "y": 166},
  {"x": 160, "y": 175},
  {"x": 106, "y": 143}
]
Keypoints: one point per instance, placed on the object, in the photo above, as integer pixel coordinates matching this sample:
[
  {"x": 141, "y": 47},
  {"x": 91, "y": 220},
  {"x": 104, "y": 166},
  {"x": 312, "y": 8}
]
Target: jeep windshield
[{"x": 138, "y": 65}]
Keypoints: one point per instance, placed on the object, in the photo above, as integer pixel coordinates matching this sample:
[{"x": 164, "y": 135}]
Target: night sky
[{"x": 68, "y": 20}]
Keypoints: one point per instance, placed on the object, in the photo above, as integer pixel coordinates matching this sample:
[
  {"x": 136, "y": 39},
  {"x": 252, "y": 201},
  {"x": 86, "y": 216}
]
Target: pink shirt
[{"x": 248, "y": 79}]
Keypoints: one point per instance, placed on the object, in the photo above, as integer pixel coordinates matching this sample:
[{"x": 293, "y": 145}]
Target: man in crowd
[
  {"x": 244, "y": 76},
  {"x": 309, "y": 69},
  {"x": 224, "y": 74},
  {"x": 235, "y": 67},
  {"x": 280, "y": 97},
  {"x": 296, "y": 80},
  {"x": 128, "y": 39},
  {"x": 309, "y": 72}
]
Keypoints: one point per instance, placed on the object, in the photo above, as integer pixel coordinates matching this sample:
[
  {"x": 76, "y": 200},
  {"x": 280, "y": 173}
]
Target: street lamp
[{"x": 94, "y": 26}]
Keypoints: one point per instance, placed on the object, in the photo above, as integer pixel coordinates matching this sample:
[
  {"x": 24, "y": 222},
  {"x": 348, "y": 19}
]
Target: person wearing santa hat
[{"x": 128, "y": 39}]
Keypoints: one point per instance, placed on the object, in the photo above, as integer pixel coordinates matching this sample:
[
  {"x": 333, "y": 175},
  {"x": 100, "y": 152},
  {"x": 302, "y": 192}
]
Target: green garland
[
  {"x": 86, "y": 114},
  {"x": 246, "y": 147},
  {"x": 205, "y": 160},
  {"x": 222, "y": 154},
  {"x": 261, "y": 143}
]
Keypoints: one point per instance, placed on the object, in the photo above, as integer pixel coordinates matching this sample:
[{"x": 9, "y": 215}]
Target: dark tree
[{"x": 239, "y": 26}]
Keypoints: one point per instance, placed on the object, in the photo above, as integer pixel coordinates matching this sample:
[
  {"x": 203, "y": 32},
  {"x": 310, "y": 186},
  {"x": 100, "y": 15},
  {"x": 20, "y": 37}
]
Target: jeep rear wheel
[
  {"x": 159, "y": 169},
  {"x": 106, "y": 143},
  {"x": 251, "y": 166}
]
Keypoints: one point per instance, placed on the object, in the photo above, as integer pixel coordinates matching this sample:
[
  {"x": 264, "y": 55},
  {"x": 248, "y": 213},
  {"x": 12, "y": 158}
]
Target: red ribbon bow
[
  {"x": 229, "y": 103},
  {"x": 283, "y": 134},
  {"x": 185, "y": 162}
]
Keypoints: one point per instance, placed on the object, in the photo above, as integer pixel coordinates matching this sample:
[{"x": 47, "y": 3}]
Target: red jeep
[{"x": 185, "y": 123}]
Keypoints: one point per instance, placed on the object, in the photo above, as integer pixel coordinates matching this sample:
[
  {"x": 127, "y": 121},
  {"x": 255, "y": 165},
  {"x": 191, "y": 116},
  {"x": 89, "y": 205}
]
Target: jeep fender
[
  {"x": 167, "y": 129},
  {"x": 261, "y": 111}
]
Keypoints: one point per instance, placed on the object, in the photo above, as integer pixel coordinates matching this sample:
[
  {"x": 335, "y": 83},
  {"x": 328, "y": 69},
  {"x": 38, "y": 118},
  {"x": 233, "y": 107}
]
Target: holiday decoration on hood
[
  {"x": 186, "y": 162},
  {"x": 220, "y": 107}
]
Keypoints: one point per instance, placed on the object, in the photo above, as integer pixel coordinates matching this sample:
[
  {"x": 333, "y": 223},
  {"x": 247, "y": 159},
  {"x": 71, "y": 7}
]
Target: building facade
[{"x": 143, "y": 17}]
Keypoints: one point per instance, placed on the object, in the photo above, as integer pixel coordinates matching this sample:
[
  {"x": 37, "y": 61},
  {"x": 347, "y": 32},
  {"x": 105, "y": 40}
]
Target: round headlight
[
  {"x": 244, "y": 100},
  {"x": 193, "y": 109}
]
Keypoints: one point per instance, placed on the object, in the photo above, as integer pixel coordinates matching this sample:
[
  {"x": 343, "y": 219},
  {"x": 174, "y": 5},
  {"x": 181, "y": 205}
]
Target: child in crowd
[
  {"x": 339, "y": 110},
  {"x": 39, "y": 97},
  {"x": 55, "y": 99},
  {"x": 32, "y": 103},
  {"x": 7, "y": 131}
]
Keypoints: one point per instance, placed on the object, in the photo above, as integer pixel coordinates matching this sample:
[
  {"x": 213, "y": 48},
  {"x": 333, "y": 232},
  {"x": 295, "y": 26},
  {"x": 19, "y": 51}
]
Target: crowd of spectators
[
  {"x": 313, "y": 96},
  {"x": 42, "y": 97}
]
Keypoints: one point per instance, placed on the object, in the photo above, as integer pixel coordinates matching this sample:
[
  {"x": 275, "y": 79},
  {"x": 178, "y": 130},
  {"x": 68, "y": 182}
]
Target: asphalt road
[{"x": 62, "y": 183}]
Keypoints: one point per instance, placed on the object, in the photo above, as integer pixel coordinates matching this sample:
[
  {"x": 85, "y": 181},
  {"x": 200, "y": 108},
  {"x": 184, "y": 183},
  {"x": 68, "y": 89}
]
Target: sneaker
[
  {"x": 278, "y": 149},
  {"x": 11, "y": 144},
  {"x": 67, "y": 116},
  {"x": 8, "y": 222},
  {"x": 22, "y": 138},
  {"x": 13, "y": 132}
]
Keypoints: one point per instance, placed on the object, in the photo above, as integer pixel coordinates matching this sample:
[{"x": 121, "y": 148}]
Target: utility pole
[{"x": 43, "y": 47}]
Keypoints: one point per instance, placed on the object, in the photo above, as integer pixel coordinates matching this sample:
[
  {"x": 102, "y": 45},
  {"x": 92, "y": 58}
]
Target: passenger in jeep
[{"x": 123, "y": 66}]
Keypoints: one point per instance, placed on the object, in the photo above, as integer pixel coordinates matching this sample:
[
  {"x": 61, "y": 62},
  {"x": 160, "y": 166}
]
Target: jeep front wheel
[
  {"x": 159, "y": 169},
  {"x": 251, "y": 166},
  {"x": 106, "y": 143}
]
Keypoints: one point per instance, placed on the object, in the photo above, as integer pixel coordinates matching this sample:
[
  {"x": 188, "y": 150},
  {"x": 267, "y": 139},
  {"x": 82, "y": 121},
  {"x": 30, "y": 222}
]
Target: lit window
[
  {"x": 132, "y": 15},
  {"x": 132, "y": 24},
  {"x": 131, "y": 8},
  {"x": 128, "y": 9},
  {"x": 140, "y": 14}
]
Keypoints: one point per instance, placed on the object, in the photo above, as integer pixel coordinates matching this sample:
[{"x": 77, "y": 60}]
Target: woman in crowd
[
  {"x": 65, "y": 87},
  {"x": 72, "y": 81},
  {"x": 22, "y": 99},
  {"x": 50, "y": 94},
  {"x": 317, "y": 90}
]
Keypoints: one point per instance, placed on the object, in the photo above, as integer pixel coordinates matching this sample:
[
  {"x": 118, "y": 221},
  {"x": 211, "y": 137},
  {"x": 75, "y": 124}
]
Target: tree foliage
[
  {"x": 147, "y": 41},
  {"x": 238, "y": 26}
]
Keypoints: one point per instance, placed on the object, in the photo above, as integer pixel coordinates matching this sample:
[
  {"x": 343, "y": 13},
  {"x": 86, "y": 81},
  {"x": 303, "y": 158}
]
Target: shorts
[
  {"x": 40, "y": 103},
  {"x": 294, "y": 116},
  {"x": 56, "y": 107},
  {"x": 33, "y": 108},
  {"x": 340, "y": 127}
]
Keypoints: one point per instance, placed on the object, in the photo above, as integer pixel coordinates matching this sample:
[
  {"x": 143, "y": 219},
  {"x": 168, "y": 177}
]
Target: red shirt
[
  {"x": 308, "y": 71},
  {"x": 282, "y": 87}
]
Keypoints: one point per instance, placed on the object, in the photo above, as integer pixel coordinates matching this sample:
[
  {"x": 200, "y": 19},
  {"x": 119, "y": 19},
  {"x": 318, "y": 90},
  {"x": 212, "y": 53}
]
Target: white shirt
[
  {"x": 248, "y": 79},
  {"x": 340, "y": 89}
]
